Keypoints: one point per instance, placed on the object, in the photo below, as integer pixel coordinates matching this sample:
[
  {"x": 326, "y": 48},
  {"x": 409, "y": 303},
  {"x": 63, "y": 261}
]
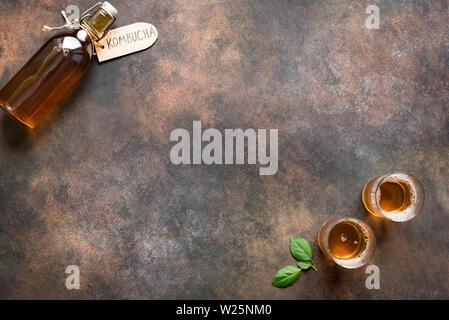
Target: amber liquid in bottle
[
  {"x": 54, "y": 69},
  {"x": 47, "y": 77}
]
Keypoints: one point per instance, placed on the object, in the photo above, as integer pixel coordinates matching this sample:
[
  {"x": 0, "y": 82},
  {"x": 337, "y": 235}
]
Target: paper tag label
[{"x": 125, "y": 40}]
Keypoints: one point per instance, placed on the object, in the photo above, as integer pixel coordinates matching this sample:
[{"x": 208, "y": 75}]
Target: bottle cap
[{"x": 98, "y": 22}]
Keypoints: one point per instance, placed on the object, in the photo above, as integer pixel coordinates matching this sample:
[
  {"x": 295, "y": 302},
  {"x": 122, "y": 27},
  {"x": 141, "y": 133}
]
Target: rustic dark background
[{"x": 94, "y": 186}]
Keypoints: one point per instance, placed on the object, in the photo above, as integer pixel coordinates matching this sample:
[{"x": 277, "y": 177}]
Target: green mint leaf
[
  {"x": 305, "y": 265},
  {"x": 301, "y": 249},
  {"x": 286, "y": 276}
]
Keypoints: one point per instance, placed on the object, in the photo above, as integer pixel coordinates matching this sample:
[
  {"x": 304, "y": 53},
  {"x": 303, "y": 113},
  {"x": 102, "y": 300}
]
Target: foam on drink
[{"x": 396, "y": 195}]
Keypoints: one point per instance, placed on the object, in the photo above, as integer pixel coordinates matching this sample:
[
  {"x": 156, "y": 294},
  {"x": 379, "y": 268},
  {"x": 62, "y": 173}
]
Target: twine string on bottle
[
  {"x": 68, "y": 25},
  {"x": 76, "y": 23}
]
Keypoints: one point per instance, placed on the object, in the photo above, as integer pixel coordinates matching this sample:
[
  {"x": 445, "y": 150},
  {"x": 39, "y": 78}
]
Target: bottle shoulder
[
  {"x": 79, "y": 34},
  {"x": 75, "y": 41}
]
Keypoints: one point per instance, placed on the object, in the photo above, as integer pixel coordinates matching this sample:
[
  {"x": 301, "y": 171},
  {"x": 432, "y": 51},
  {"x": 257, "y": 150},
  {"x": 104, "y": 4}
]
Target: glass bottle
[{"x": 55, "y": 68}]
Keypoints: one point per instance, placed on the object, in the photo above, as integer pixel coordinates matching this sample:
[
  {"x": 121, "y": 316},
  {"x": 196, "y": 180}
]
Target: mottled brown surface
[{"x": 94, "y": 185}]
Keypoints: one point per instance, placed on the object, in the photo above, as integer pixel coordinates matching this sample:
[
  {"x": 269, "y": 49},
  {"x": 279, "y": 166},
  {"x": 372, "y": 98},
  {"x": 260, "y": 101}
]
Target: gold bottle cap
[{"x": 98, "y": 22}]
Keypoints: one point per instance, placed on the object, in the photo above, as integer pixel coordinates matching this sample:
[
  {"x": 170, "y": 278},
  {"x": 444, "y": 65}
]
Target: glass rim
[{"x": 388, "y": 215}]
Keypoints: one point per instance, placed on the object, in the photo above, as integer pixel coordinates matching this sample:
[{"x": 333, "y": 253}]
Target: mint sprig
[{"x": 301, "y": 251}]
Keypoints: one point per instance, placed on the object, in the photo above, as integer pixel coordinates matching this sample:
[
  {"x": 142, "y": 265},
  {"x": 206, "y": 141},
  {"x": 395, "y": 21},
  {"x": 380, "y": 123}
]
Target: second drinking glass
[{"x": 348, "y": 242}]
